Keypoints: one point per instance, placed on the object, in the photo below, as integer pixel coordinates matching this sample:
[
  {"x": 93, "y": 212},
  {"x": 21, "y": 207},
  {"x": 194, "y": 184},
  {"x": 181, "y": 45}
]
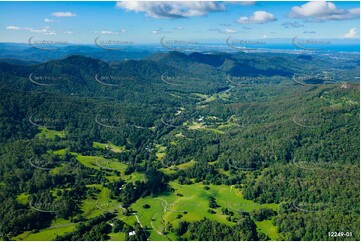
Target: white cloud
[
  {"x": 156, "y": 32},
  {"x": 13, "y": 27},
  {"x": 67, "y": 32},
  {"x": 64, "y": 14},
  {"x": 160, "y": 31},
  {"x": 225, "y": 31},
  {"x": 225, "y": 24},
  {"x": 50, "y": 33},
  {"x": 321, "y": 11},
  {"x": 258, "y": 17},
  {"x": 230, "y": 31},
  {"x": 243, "y": 3},
  {"x": 292, "y": 25},
  {"x": 352, "y": 33},
  {"x": 107, "y": 32},
  {"x": 47, "y": 20},
  {"x": 247, "y": 3},
  {"x": 179, "y": 28},
  {"x": 172, "y": 9},
  {"x": 110, "y": 32},
  {"x": 46, "y": 30}
]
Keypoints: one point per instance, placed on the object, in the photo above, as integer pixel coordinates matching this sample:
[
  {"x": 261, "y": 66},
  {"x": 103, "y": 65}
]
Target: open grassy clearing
[
  {"x": 106, "y": 204},
  {"x": 195, "y": 125},
  {"x": 170, "y": 169},
  {"x": 57, "y": 170},
  {"x": 210, "y": 123},
  {"x": 187, "y": 202},
  {"x": 49, "y": 134},
  {"x": 45, "y": 234},
  {"x": 91, "y": 207},
  {"x": 60, "y": 152},
  {"x": 101, "y": 204},
  {"x": 192, "y": 203},
  {"x": 109, "y": 146},
  {"x": 150, "y": 217},
  {"x": 98, "y": 162},
  {"x": 117, "y": 236},
  {"x": 23, "y": 198},
  {"x": 268, "y": 228},
  {"x": 233, "y": 200},
  {"x": 206, "y": 98},
  {"x": 338, "y": 102},
  {"x": 161, "y": 151}
]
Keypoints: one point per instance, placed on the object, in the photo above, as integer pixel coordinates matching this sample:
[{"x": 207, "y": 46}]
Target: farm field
[{"x": 180, "y": 121}]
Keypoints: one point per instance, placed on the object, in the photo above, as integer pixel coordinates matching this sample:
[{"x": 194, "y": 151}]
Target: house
[{"x": 346, "y": 85}]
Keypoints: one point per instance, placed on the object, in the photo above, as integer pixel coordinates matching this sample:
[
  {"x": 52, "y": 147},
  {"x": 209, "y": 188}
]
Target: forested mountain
[
  {"x": 25, "y": 52},
  {"x": 180, "y": 146}
]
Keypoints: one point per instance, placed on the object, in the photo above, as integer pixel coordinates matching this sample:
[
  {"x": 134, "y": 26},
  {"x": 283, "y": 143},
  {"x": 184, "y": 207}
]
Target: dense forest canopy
[{"x": 181, "y": 146}]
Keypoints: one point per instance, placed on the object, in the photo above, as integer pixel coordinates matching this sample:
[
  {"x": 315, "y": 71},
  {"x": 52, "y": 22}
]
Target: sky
[{"x": 148, "y": 22}]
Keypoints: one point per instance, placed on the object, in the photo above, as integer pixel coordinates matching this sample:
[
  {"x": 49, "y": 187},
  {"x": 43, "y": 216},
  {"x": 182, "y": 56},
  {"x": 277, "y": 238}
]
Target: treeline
[
  {"x": 312, "y": 200},
  {"x": 258, "y": 137},
  {"x": 208, "y": 230},
  {"x": 128, "y": 193}
]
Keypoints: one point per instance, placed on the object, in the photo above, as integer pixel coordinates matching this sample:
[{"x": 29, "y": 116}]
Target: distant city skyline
[{"x": 147, "y": 22}]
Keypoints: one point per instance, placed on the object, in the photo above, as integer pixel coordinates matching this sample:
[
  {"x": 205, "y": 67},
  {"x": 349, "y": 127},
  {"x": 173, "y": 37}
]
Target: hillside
[{"x": 175, "y": 146}]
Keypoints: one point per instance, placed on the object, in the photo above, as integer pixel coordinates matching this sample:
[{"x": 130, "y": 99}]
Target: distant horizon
[
  {"x": 81, "y": 22},
  {"x": 342, "y": 40},
  {"x": 285, "y": 44}
]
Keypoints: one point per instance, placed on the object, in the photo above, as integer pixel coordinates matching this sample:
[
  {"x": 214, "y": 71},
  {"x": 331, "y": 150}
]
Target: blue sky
[{"x": 147, "y": 22}]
